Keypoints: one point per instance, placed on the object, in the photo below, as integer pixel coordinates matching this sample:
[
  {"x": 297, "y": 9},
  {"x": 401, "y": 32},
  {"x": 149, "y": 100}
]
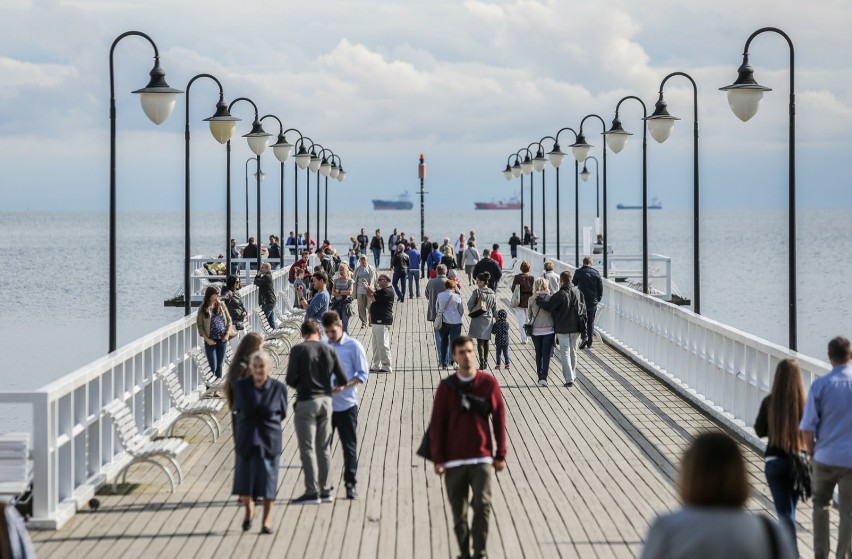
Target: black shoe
[
  {"x": 351, "y": 493},
  {"x": 306, "y": 499},
  {"x": 568, "y": 384},
  {"x": 326, "y": 497},
  {"x": 265, "y": 530},
  {"x": 246, "y": 525}
]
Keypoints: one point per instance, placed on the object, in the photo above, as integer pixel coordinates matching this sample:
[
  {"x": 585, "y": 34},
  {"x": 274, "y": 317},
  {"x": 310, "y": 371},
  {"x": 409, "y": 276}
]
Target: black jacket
[
  {"x": 263, "y": 418},
  {"x": 568, "y": 309},
  {"x": 490, "y": 266},
  {"x": 589, "y": 281},
  {"x": 310, "y": 367},
  {"x": 265, "y": 289},
  {"x": 399, "y": 262}
]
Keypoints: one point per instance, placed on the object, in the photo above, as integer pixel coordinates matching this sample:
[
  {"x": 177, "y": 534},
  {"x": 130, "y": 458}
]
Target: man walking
[
  {"x": 344, "y": 404},
  {"x": 569, "y": 320},
  {"x": 364, "y": 272},
  {"x": 425, "y": 251},
  {"x": 266, "y": 292},
  {"x": 318, "y": 305},
  {"x": 487, "y": 264},
  {"x": 496, "y": 256},
  {"x": 414, "y": 263},
  {"x": 514, "y": 241},
  {"x": 235, "y": 253},
  {"x": 590, "y": 284},
  {"x": 362, "y": 239},
  {"x": 311, "y": 367},
  {"x": 377, "y": 245},
  {"x": 434, "y": 287},
  {"x": 434, "y": 258},
  {"x": 827, "y": 429},
  {"x": 381, "y": 319},
  {"x": 399, "y": 264},
  {"x": 462, "y": 446}
]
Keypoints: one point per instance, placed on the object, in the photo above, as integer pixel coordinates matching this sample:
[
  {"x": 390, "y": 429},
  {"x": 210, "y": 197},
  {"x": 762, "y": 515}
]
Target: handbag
[
  {"x": 801, "y": 472},
  {"x": 438, "y": 323},
  {"x": 528, "y": 327},
  {"x": 516, "y": 297},
  {"x": 425, "y": 448},
  {"x": 481, "y": 306}
]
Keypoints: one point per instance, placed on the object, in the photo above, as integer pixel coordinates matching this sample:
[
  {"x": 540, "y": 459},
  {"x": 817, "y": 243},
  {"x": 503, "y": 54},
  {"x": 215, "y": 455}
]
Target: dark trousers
[
  {"x": 397, "y": 278},
  {"x": 448, "y": 332},
  {"x": 346, "y": 424},
  {"x": 482, "y": 349},
  {"x": 778, "y": 477},
  {"x": 269, "y": 311},
  {"x": 460, "y": 482},
  {"x": 216, "y": 357},
  {"x": 377, "y": 257},
  {"x": 590, "y": 322},
  {"x": 543, "y": 346}
]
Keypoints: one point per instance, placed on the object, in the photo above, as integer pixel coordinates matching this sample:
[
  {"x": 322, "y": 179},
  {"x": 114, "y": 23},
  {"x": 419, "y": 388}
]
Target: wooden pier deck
[{"x": 588, "y": 469}]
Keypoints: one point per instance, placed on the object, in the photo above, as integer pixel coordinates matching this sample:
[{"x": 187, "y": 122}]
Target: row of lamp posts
[
  {"x": 158, "y": 100},
  {"x": 744, "y": 97}
]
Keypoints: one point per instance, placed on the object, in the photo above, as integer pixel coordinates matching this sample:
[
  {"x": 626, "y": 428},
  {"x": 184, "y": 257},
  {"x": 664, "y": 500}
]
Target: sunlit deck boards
[{"x": 588, "y": 468}]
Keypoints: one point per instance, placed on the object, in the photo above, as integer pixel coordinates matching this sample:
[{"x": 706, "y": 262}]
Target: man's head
[
  {"x": 838, "y": 350},
  {"x": 362, "y": 230},
  {"x": 441, "y": 269},
  {"x": 464, "y": 353},
  {"x": 292, "y": 234},
  {"x": 486, "y": 253},
  {"x": 383, "y": 281},
  {"x": 565, "y": 278},
  {"x": 233, "y": 242},
  {"x": 265, "y": 268},
  {"x": 434, "y": 246},
  {"x": 272, "y": 238},
  {"x": 310, "y": 330},
  {"x": 548, "y": 266},
  {"x": 251, "y": 240},
  {"x": 495, "y": 247},
  {"x": 400, "y": 247},
  {"x": 425, "y": 238},
  {"x": 319, "y": 280},
  {"x": 333, "y": 326},
  {"x": 378, "y": 232},
  {"x": 363, "y": 261},
  {"x": 482, "y": 279},
  {"x": 305, "y": 255},
  {"x": 587, "y": 261}
]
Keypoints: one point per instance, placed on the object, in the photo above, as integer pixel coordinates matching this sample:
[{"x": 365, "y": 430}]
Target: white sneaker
[{"x": 542, "y": 382}]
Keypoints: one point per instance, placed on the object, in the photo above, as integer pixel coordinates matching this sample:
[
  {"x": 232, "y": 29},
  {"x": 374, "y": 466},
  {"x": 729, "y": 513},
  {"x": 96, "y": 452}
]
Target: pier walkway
[{"x": 588, "y": 469}]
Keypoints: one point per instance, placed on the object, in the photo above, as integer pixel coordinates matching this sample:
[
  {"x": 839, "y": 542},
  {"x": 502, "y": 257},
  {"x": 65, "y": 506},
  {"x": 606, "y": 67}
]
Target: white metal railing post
[{"x": 44, "y": 467}]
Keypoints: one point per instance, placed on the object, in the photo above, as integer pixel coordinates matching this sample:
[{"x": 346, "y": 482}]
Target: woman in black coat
[{"x": 260, "y": 405}]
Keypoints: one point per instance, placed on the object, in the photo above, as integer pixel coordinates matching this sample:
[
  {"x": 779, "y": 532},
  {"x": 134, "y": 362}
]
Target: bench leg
[{"x": 123, "y": 473}]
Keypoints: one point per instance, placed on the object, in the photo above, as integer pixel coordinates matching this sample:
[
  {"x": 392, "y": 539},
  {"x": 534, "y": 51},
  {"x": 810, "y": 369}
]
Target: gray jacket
[
  {"x": 433, "y": 287},
  {"x": 480, "y": 327},
  {"x": 536, "y": 315}
]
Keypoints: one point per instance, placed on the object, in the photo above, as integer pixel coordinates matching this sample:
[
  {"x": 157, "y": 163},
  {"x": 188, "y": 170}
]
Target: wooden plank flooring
[{"x": 588, "y": 469}]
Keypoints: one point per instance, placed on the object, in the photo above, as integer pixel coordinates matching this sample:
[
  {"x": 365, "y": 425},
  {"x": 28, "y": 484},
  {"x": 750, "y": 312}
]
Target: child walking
[{"x": 501, "y": 337}]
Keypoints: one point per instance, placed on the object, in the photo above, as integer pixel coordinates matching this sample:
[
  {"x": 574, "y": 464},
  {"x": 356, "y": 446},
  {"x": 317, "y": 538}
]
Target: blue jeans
[
  {"x": 413, "y": 276},
  {"x": 377, "y": 256},
  {"x": 543, "y": 346},
  {"x": 449, "y": 332},
  {"x": 778, "y": 474},
  {"x": 269, "y": 311},
  {"x": 504, "y": 351},
  {"x": 397, "y": 278},
  {"x": 216, "y": 357}
]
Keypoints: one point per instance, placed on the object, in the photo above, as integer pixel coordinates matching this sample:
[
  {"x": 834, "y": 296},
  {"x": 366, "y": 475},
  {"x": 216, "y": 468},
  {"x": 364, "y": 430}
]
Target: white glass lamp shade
[
  {"x": 282, "y": 149},
  {"x": 516, "y": 169},
  {"x": 258, "y": 139},
  {"x": 325, "y": 168},
  {"x": 556, "y": 156},
  {"x": 341, "y": 175},
  {"x": 222, "y": 130},
  {"x": 661, "y": 128},
  {"x": 584, "y": 174},
  {"x": 303, "y": 158},
  {"x": 580, "y": 149},
  {"x": 157, "y": 98},
  {"x": 335, "y": 170},
  {"x": 616, "y": 136},
  {"x": 315, "y": 163},
  {"x": 744, "y": 95},
  {"x": 527, "y": 166},
  {"x": 539, "y": 162},
  {"x": 507, "y": 173}
]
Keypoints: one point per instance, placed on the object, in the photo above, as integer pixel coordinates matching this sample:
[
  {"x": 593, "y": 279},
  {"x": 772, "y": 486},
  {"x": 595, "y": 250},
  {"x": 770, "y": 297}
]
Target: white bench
[
  {"x": 141, "y": 448},
  {"x": 277, "y": 338},
  {"x": 15, "y": 466},
  {"x": 203, "y": 410},
  {"x": 211, "y": 381}
]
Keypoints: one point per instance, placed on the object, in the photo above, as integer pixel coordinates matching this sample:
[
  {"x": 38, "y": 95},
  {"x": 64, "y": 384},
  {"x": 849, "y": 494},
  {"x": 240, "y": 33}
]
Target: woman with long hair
[
  {"x": 523, "y": 281},
  {"x": 469, "y": 259},
  {"x": 778, "y": 420},
  {"x": 714, "y": 523},
  {"x": 342, "y": 294},
  {"x": 543, "y": 333},
  {"x": 449, "y": 305},
  {"x": 250, "y": 344},
  {"x": 449, "y": 260},
  {"x": 214, "y": 326},
  {"x": 481, "y": 324}
]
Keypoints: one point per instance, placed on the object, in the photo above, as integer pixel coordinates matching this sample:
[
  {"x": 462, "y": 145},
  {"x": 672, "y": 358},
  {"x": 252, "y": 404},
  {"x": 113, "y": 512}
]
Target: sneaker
[
  {"x": 351, "y": 493},
  {"x": 542, "y": 382},
  {"x": 306, "y": 499},
  {"x": 568, "y": 384},
  {"x": 507, "y": 366},
  {"x": 498, "y": 367},
  {"x": 326, "y": 497}
]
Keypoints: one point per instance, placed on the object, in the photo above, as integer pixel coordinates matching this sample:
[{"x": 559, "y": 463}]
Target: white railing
[
  {"x": 75, "y": 448},
  {"x": 724, "y": 371}
]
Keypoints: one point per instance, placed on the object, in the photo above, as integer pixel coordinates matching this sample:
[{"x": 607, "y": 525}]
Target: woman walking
[
  {"x": 551, "y": 276},
  {"x": 542, "y": 331},
  {"x": 250, "y": 344},
  {"x": 714, "y": 523},
  {"x": 458, "y": 248},
  {"x": 482, "y": 306},
  {"x": 214, "y": 326},
  {"x": 469, "y": 259},
  {"x": 778, "y": 420},
  {"x": 234, "y": 303},
  {"x": 448, "y": 259},
  {"x": 449, "y": 306},
  {"x": 260, "y": 405},
  {"x": 524, "y": 282},
  {"x": 342, "y": 291}
]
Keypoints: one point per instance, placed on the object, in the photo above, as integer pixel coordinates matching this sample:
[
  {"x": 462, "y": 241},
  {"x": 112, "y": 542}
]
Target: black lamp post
[
  {"x": 556, "y": 156},
  {"x": 616, "y": 137},
  {"x": 282, "y": 150},
  {"x": 334, "y": 172},
  {"x": 303, "y": 161},
  {"x": 261, "y": 177},
  {"x": 539, "y": 164},
  {"x": 660, "y": 125},
  {"x": 222, "y": 126},
  {"x": 511, "y": 172},
  {"x": 325, "y": 171},
  {"x": 744, "y": 97},
  {"x": 577, "y": 153},
  {"x": 279, "y": 148},
  {"x": 527, "y": 169},
  {"x": 584, "y": 174},
  {"x": 158, "y": 101}
]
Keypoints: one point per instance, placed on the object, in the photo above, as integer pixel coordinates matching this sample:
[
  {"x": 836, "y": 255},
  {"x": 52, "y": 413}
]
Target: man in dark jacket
[
  {"x": 381, "y": 319},
  {"x": 274, "y": 252},
  {"x": 266, "y": 292},
  {"x": 251, "y": 251},
  {"x": 487, "y": 264},
  {"x": 399, "y": 264},
  {"x": 425, "y": 251},
  {"x": 590, "y": 284},
  {"x": 569, "y": 320},
  {"x": 514, "y": 241}
]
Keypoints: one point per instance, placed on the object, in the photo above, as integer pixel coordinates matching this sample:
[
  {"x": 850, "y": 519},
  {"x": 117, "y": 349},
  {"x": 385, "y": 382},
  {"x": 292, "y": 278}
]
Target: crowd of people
[{"x": 809, "y": 450}]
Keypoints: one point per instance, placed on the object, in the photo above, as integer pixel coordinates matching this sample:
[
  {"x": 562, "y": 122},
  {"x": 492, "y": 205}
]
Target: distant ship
[
  {"x": 654, "y": 205},
  {"x": 511, "y": 204},
  {"x": 401, "y": 203}
]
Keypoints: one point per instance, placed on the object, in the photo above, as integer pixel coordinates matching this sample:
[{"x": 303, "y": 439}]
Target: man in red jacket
[{"x": 462, "y": 446}]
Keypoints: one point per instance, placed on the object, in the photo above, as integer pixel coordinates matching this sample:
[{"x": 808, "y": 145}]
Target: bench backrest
[
  {"x": 170, "y": 378},
  {"x": 201, "y": 363},
  {"x": 15, "y": 465},
  {"x": 264, "y": 321},
  {"x": 125, "y": 425}
]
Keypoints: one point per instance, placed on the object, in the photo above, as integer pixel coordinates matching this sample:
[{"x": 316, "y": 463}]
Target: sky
[{"x": 466, "y": 82}]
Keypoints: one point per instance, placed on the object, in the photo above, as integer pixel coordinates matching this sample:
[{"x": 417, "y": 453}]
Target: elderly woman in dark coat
[
  {"x": 482, "y": 307},
  {"x": 260, "y": 405}
]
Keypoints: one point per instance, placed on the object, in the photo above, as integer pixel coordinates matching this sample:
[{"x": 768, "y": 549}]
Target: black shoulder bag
[{"x": 468, "y": 402}]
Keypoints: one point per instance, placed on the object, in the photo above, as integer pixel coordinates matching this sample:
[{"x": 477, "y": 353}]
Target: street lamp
[
  {"x": 539, "y": 163},
  {"x": 335, "y": 173},
  {"x": 585, "y": 174},
  {"x": 604, "y": 227},
  {"x": 303, "y": 161},
  {"x": 315, "y": 167},
  {"x": 222, "y": 126},
  {"x": 616, "y": 137},
  {"x": 556, "y": 157},
  {"x": 744, "y": 96},
  {"x": 158, "y": 101},
  {"x": 660, "y": 125},
  {"x": 509, "y": 174},
  {"x": 259, "y": 176},
  {"x": 527, "y": 168},
  {"x": 281, "y": 149}
]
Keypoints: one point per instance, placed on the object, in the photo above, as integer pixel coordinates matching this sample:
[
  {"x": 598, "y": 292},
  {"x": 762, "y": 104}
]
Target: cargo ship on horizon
[
  {"x": 403, "y": 202},
  {"x": 510, "y": 204}
]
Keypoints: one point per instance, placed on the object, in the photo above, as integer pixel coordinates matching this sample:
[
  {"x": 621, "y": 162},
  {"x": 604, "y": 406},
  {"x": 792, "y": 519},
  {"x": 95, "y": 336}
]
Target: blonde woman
[
  {"x": 542, "y": 330},
  {"x": 342, "y": 293}
]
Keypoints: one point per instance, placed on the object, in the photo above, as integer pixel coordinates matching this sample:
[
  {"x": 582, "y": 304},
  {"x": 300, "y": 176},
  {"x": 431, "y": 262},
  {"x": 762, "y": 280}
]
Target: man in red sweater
[{"x": 462, "y": 446}]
